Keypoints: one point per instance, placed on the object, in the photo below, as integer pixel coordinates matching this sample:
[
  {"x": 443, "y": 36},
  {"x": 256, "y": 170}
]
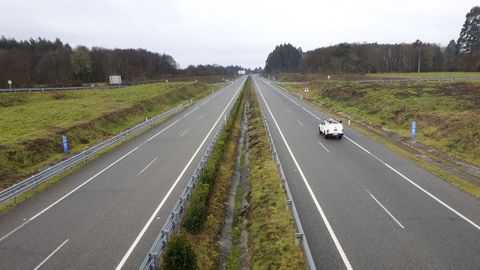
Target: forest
[
  {"x": 418, "y": 56},
  {"x": 36, "y": 62}
]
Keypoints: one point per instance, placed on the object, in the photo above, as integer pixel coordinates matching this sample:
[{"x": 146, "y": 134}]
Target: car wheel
[
  {"x": 340, "y": 137},
  {"x": 326, "y": 136}
]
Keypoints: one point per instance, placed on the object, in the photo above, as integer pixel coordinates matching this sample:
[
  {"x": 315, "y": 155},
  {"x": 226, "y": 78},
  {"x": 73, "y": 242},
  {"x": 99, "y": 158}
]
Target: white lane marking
[
  {"x": 317, "y": 204},
  {"x": 65, "y": 196},
  {"x": 148, "y": 165},
  {"x": 191, "y": 112},
  {"x": 385, "y": 209},
  {"x": 205, "y": 102},
  {"x": 183, "y": 133},
  {"x": 323, "y": 146},
  {"x": 84, "y": 183},
  {"x": 408, "y": 179},
  {"x": 161, "y": 131},
  {"x": 51, "y": 254},
  {"x": 152, "y": 217},
  {"x": 300, "y": 123},
  {"x": 418, "y": 186},
  {"x": 200, "y": 118},
  {"x": 318, "y": 118}
]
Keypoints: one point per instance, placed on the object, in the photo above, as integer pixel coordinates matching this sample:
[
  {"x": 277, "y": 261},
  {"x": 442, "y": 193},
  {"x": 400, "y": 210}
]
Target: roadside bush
[
  {"x": 179, "y": 254},
  {"x": 197, "y": 209}
]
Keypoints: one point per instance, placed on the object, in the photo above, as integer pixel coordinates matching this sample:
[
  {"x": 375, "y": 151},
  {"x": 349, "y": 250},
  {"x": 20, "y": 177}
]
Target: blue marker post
[
  {"x": 413, "y": 133},
  {"x": 65, "y": 144}
]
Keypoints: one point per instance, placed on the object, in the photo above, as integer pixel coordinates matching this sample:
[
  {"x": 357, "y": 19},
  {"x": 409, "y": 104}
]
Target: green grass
[
  {"x": 233, "y": 262},
  {"x": 213, "y": 191},
  {"x": 428, "y": 75},
  {"x": 446, "y": 113},
  {"x": 271, "y": 228},
  {"x": 32, "y": 123}
]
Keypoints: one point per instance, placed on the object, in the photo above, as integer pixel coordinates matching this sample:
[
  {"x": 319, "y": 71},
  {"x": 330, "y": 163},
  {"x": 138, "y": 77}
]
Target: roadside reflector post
[
  {"x": 288, "y": 205},
  {"x": 349, "y": 120},
  {"x": 413, "y": 130},
  {"x": 298, "y": 238},
  {"x": 65, "y": 144}
]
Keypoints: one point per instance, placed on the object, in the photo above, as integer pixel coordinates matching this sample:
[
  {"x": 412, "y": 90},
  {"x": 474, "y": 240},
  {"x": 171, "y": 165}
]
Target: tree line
[
  {"x": 460, "y": 55},
  {"x": 54, "y": 63}
]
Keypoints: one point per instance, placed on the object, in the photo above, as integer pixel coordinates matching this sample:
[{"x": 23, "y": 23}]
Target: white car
[{"x": 331, "y": 128}]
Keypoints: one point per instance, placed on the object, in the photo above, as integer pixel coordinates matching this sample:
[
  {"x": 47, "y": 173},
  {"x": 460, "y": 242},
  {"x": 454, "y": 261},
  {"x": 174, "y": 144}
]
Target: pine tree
[
  {"x": 469, "y": 40},
  {"x": 450, "y": 53}
]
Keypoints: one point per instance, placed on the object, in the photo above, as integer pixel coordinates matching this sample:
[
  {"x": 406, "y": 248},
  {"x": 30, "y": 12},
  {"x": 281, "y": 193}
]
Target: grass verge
[
  {"x": 446, "y": 113},
  {"x": 442, "y": 111},
  {"x": 32, "y": 123},
  {"x": 271, "y": 228}
]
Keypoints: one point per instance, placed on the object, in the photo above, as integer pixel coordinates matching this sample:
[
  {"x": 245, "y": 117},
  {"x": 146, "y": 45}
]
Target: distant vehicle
[{"x": 331, "y": 128}]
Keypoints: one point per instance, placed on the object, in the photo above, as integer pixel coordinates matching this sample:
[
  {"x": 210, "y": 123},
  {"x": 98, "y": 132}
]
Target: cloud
[{"x": 232, "y": 32}]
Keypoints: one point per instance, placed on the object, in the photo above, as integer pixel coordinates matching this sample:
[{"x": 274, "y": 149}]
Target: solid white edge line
[
  {"x": 187, "y": 114},
  {"x": 317, "y": 204},
  {"x": 406, "y": 178},
  {"x": 385, "y": 209},
  {"x": 183, "y": 133},
  {"x": 323, "y": 146},
  {"x": 84, "y": 183},
  {"x": 148, "y": 165},
  {"x": 51, "y": 254},
  {"x": 152, "y": 217},
  {"x": 419, "y": 187}
]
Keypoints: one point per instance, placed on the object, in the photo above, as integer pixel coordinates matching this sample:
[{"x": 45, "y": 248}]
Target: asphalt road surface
[
  {"x": 107, "y": 214},
  {"x": 361, "y": 205}
]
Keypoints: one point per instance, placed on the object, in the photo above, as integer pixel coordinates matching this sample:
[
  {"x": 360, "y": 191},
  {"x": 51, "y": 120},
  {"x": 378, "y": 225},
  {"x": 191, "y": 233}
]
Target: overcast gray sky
[{"x": 231, "y": 32}]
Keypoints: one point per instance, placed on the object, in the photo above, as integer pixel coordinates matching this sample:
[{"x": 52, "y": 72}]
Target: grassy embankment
[
  {"x": 271, "y": 228},
  {"x": 446, "y": 113},
  {"x": 32, "y": 123}
]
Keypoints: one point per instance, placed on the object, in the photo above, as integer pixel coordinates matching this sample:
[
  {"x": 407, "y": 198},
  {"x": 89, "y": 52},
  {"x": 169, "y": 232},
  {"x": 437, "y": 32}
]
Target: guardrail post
[
  {"x": 298, "y": 238},
  {"x": 288, "y": 205},
  {"x": 154, "y": 258}
]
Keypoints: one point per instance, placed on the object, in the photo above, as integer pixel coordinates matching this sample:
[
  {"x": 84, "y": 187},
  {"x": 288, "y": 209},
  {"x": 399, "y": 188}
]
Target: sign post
[
  {"x": 413, "y": 133},
  {"x": 10, "y": 84},
  {"x": 65, "y": 144}
]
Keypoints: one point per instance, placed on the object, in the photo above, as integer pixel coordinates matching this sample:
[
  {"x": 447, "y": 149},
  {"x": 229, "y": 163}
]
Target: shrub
[{"x": 179, "y": 254}]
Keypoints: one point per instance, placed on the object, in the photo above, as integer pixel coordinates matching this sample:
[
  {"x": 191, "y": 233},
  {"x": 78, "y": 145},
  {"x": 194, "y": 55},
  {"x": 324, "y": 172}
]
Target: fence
[{"x": 32, "y": 182}]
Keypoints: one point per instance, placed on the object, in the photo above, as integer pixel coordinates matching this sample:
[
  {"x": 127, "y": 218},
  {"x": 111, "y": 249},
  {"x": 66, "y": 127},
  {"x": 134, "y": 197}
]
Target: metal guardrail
[
  {"x": 32, "y": 182},
  {"x": 300, "y": 235},
  {"x": 174, "y": 218},
  {"x": 45, "y": 89}
]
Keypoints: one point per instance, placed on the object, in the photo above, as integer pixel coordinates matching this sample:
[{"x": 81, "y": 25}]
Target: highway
[
  {"x": 361, "y": 205},
  {"x": 107, "y": 214}
]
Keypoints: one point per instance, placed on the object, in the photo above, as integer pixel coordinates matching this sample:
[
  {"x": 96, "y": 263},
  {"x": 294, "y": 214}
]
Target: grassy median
[
  {"x": 32, "y": 123},
  {"x": 271, "y": 228},
  {"x": 206, "y": 209}
]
